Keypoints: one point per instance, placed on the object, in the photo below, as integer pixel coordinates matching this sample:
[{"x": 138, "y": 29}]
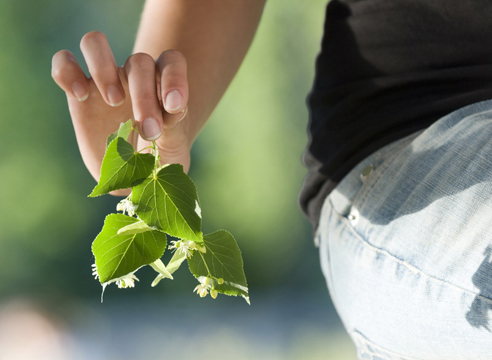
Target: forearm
[{"x": 213, "y": 35}]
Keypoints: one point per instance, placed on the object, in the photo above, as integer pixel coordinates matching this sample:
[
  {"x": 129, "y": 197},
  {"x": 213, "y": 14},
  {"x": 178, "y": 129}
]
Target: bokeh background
[{"x": 246, "y": 165}]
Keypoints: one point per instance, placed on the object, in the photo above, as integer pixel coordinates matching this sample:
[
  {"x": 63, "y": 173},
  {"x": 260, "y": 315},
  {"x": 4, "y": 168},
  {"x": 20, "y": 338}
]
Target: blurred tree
[{"x": 246, "y": 163}]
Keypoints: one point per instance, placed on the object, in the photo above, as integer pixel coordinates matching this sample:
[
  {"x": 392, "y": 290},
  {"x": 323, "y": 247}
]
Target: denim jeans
[{"x": 406, "y": 244}]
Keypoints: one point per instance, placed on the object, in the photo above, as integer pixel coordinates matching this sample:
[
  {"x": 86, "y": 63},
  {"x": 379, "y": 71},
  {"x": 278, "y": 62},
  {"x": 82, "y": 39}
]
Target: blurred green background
[{"x": 246, "y": 165}]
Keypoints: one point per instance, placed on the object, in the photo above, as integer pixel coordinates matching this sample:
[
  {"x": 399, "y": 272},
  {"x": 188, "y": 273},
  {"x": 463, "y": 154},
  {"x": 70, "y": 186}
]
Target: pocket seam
[{"x": 385, "y": 352}]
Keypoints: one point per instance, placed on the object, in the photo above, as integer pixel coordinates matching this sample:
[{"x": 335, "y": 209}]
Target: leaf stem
[
  {"x": 157, "y": 157},
  {"x": 206, "y": 266},
  {"x": 145, "y": 148}
]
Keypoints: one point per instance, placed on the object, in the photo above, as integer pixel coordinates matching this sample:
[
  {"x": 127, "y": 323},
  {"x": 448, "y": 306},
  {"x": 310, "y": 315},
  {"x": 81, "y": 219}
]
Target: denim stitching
[
  {"x": 361, "y": 338},
  {"x": 384, "y": 168},
  {"x": 371, "y": 354},
  {"x": 410, "y": 267}
]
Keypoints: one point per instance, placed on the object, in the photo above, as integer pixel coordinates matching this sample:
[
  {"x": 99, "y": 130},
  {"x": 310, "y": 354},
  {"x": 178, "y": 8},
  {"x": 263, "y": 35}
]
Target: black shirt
[{"x": 386, "y": 69}]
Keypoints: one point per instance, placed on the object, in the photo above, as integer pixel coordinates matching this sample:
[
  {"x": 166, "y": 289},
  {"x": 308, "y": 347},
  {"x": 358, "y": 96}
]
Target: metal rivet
[
  {"x": 353, "y": 217},
  {"x": 367, "y": 171}
]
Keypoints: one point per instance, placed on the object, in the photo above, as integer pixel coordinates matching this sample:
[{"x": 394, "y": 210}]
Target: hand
[{"x": 115, "y": 94}]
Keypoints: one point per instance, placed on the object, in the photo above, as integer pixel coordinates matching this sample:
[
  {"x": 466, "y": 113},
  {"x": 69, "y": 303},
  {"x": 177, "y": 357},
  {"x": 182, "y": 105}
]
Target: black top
[{"x": 388, "y": 68}]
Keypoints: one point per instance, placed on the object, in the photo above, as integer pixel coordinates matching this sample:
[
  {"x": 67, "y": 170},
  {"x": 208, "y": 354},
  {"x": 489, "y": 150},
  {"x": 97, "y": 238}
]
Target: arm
[
  {"x": 210, "y": 39},
  {"x": 213, "y": 35}
]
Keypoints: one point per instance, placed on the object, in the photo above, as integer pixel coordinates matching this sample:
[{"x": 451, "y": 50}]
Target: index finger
[{"x": 102, "y": 67}]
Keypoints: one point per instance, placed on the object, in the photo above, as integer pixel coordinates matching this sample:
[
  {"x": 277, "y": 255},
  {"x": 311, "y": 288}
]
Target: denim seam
[
  {"x": 375, "y": 180},
  {"x": 409, "y": 266},
  {"x": 371, "y": 354},
  {"x": 361, "y": 338}
]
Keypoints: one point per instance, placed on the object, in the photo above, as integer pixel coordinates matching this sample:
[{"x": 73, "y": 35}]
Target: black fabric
[{"x": 386, "y": 69}]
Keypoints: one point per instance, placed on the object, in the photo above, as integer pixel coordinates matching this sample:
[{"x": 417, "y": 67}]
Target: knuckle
[
  {"x": 145, "y": 102},
  {"x": 99, "y": 72},
  {"x": 172, "y": 56},
  {"x": 141, "y": 60}
]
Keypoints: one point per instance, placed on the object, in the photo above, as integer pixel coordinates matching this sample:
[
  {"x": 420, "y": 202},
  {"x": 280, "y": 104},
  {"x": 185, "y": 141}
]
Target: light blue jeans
[{"x": 406, "y": 244}]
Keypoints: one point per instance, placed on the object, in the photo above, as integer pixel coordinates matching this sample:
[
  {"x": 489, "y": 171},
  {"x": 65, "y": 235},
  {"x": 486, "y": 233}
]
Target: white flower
[
  {"x": 127, "y": 281},
  {"x": 94, "y": 271},
  {"x": 206, "y": 285},
  {"x": 184, "y": 247},
  {"x": 201, "y": 290},
  {"x": 126, "y": 206}
]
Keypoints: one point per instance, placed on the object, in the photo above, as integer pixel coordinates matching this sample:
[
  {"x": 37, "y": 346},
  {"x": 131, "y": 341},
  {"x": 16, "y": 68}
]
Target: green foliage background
[{"x": 246, "y": 164}]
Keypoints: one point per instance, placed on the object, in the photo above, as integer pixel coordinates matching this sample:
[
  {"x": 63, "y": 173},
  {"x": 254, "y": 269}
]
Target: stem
[
  {"x": 206, "y": 266},
  {"x": 145, "y": 148},
  {"x": 157, "y": 157}
]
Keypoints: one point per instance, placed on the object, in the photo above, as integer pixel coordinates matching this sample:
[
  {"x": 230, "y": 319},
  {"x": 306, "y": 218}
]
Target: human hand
[{"x": 115, "y": 94}]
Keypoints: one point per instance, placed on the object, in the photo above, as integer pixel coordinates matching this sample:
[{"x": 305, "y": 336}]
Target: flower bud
[{"x": 214, "y": 293}]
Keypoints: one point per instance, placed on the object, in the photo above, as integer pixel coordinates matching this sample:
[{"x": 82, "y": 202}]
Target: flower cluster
[
  {"x": 208, "y": 284},
  {"x": 127, "y": 281},
  {"x": 94, "y": 271},
  {"x": 126, "y": 206},
  {"x": 184, "y": 247}
]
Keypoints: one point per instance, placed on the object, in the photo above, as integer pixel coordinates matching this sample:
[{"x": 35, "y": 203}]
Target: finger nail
[
  {"x": 173, "y": 100},
  {"x": 151, "y": 129},
  {"x": 79, "y": 91},
  {"x": 116, "y": 98}
]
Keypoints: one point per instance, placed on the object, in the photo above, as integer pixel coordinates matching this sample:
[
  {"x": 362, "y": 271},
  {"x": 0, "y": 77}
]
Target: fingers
[
  {"x": 69, "y": 76},
  {"x": 102, "y": 67},
  {"x": 172, "y": 68},
  {"x": 140, "y": 69}
]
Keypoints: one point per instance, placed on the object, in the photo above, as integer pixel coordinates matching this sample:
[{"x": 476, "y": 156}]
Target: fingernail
[
  {"x": 79, "y": 91},
  {"x": 173, "y": 100},
  {"x": 151, "y": 129},
  {"x": 116, "y": 98}
]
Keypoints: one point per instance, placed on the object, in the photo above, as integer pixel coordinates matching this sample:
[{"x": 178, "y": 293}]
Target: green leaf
[
  {"x": 123, "y": 132},
  {"x": 135, "y": 228},
  {"x": 171, "y": 267},
  {"x": 164, "y": 273},
  {"x": 119, "y": 255},
  {"x": 222, "y": 260},
  {"x": 122, "y": 167},
  {"x": 176, "y": 261},
  {"x": 169, "y": 202}
]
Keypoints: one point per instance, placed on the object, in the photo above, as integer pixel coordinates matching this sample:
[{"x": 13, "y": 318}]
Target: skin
[{"x": 186, "y": 47}]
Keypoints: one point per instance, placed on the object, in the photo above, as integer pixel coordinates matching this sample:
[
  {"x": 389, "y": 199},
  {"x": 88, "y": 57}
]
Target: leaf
[
  {"x": 222, "y": 260},
  {"x": 119, "y": 255},
  {"x": 159, "y": 266},
  {"x": 135, "y": 228},
  {"x": 123, "y": 132},
  {"x": 122, "y": 167},
  {"x": 171, "y": 267},
  {"x": 176, "y": 261},
  {"x": 164, "y": 273},
  {"x": 168, "y": 202}
]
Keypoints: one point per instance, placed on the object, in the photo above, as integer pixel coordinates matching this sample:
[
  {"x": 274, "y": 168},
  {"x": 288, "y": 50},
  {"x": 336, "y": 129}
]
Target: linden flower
[
  {"x": 214, "y": 293},
  {"x": 124, "y": 282},
  {"x": 126, "y": 206},
  {"x": 127, "y": 281},
  {"x": 94, "y": 271},
  {"x": 184, "y": 247},
  {"x": 201, "y": 290},
  {"x": 206, "y": 285}
]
